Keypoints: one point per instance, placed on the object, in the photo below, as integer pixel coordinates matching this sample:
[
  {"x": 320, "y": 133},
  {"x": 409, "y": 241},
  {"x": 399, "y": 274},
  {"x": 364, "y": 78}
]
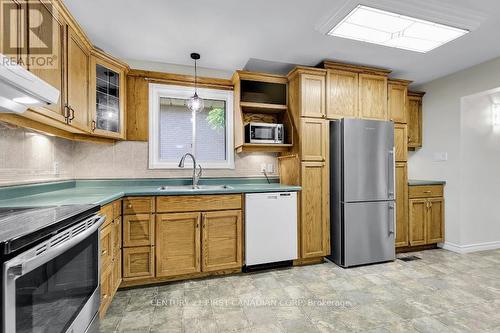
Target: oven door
[
  {"x": 263, "y": 133},
  {"x": 54, "y": 286}
]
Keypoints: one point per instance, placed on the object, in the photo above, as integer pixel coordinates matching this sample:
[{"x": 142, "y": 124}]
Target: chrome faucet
[{"x": 196, "y": 175}]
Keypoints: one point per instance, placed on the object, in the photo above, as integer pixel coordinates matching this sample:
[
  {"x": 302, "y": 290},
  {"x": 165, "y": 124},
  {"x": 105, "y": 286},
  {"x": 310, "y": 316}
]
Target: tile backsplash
[{"x": 27, "y": 156}]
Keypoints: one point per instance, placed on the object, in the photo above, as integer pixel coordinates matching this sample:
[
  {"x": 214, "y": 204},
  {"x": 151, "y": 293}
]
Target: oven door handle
[{"x": 53, "y": 247}]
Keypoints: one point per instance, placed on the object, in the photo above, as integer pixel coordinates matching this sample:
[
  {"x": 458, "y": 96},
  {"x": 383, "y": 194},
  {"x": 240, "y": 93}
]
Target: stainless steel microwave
[{"x": 264, "y": 133}]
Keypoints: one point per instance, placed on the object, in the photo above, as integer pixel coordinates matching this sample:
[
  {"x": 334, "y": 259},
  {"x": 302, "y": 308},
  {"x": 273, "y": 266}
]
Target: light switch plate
[
  {"x": 440, "y": 156},
  {"x": 270, "y": 168}
]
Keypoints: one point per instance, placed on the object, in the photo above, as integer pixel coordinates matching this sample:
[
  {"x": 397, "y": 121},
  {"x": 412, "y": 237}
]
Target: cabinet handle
[
  {"x": 72, "y": 114},
  {"x": 427, "y": 191},
  {"x": 93, "y": 126},
  {"x": 129, "y": 206},
  {"x": 66, "y": 113},
  {"x": 103, "y": 252}
]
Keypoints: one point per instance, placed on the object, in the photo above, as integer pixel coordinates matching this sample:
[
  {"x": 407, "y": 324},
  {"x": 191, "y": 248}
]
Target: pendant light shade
[{"x": 195, "y": 103}]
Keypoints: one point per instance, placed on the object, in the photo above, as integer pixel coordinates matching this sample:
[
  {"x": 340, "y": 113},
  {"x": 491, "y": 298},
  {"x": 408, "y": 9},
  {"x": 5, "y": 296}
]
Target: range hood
[{"x": 20, "y": 89}]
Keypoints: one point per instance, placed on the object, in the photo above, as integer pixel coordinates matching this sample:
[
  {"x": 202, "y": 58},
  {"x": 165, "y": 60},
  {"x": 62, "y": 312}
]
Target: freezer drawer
[
  {"x": 368, "y": 232},
  {"x": 270, "y": 227}
]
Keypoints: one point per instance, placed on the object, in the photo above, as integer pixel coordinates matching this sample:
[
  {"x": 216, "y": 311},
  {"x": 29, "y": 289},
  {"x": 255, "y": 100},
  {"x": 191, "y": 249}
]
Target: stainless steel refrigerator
[{"x": 362, "y": 206}]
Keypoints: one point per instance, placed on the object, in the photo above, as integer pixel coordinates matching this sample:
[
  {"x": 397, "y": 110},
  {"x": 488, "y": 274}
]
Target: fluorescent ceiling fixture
[
  {"x": 26, "y": 100},
  {"x": 377, "y": 26}
]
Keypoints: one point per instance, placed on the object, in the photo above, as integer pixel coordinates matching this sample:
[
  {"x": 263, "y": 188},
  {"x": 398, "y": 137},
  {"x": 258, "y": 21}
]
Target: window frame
[{"x": 157, "y": 91}]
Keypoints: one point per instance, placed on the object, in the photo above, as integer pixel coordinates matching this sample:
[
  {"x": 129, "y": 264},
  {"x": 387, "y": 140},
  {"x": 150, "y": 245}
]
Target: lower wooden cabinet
[
  {"x": 138, "y": 262},
  {"x": 426, "y": 216},
  {"x": 106, "y": 239},
  {"x": 221, "y": 240},
  {"x": 401, "y": 205},
  {"x": 177, "y": 244},
  {"x": 138, "y": 230},
  {"x": 314, "y": 222},
  {"x": 106, "y": 290}
]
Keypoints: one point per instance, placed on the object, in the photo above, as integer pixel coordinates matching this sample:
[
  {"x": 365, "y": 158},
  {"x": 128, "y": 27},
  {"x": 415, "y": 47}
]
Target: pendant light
[{"x": 195, "y": 103}]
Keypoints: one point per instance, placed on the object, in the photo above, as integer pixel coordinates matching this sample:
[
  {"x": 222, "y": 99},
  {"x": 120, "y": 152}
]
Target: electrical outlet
[
  {"x": 55, "y": 168},
  {"x": 440, "y": 156}
]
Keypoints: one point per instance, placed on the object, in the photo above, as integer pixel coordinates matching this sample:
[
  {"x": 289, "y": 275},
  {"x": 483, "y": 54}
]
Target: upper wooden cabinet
[
  {"x": 415, "y": 119},
  {"x": 373, "y": 96},
  {"x": 307, "y": 92},
  {"x": 401, "y": 142},
  {"x": 314, "y": 139},
  {"x": 77, "y": 94},
  {"x": 398, "y": 100},
  {"x": 356, "y": 91},
  {"x": 107, "y": 96},
  {"x": 341, "y": 94}
]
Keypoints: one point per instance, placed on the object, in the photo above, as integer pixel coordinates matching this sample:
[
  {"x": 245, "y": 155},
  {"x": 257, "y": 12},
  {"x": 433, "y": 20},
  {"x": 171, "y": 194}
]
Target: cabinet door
[
  {"x": 397, "y": 102},
  {"x": 117, "y": 253},
  {"x": 117, "y": 271},
  {"x": 78, "y": 58},
  {"x": 314, "y": 222},
  {"x": 414, "y": 122},
  {"x": 401, "y": 205},
  {"x": 435, "y": 221},
  {"x": 106, "y": 290},
  {"x": 312, "y": 95},
  {"x": 401, "y": 142},
  {"x": 106, "y": 242},
  {"x": 138, "y": 230},
  {"x": 314, "y": 139},
  {"x": 54, "y": 73},
  {"x": 418, "y": 216},
  {"x": 222, "y": 234},
  {"x": 107, "y": 98},
  {"x": 341, "y": 94},
  {"x": 177, "y": 244},
  {"x": 138, "y": 262},
  {"x": 373, "y": 97},
  {"x": 11, "y": 14},
  {"x": 117, "y": 240}
]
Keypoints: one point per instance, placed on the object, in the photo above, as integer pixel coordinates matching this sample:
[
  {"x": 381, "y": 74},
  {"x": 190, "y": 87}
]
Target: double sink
[{"x": 194, "y": 188}]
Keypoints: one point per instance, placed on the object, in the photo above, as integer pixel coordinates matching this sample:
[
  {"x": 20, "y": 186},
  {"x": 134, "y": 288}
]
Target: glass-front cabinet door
[{"x": 108, "y": 100}]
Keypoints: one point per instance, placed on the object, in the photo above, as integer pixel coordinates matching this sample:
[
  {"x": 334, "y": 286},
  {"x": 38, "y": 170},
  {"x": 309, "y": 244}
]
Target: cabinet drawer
[
  {"x": 138, "y": 230},
  {"x": 106, "y": 242},
  {"x": 117, "y": 209},
  {"x": 142, "y": 205},
  {"x": 425, "y": 191},
  {"x": 138, "y": 262},
  {"x": 107, "y": 211},
  {"x": 196, "y": 203}
]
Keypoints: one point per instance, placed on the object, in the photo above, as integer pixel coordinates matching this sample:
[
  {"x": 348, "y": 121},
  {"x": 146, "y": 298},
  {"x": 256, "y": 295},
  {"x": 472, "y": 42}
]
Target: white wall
[{"x": 448, "y": 128}]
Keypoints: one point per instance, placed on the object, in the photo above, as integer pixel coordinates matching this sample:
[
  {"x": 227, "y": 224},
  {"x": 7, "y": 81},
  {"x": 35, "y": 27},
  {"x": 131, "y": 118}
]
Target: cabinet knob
[
  {"x": 93, "y": 126},
  {"x": 129, "y": 206},
  {"x": 103, "y": 252}
]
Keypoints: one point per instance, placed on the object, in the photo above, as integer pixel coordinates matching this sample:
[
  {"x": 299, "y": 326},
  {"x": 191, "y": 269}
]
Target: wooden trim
[
  {"x": 416, "y": 93},
  {"x": 70, "y": 19},
  {"x": 306, "y": 70},
  {"x": 268, "y": 148},
  {"x": 180, "y": 79},
  {"x": 329, "y": 64},
  {"x": 126, "y": 283},
  {"x": 103, "y": 56},
  {"x": 308, "y": 261},
  {"x": 261, "y": 77},
  {"x": 416, "y": 248},
  {"x": 399, "y": 82}
]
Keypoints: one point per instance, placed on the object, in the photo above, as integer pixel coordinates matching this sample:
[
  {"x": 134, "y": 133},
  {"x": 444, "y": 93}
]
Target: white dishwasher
[{"x": 270, "y": 227}]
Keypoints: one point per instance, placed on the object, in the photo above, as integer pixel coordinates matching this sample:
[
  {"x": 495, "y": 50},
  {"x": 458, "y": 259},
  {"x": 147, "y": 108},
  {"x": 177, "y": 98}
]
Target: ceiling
[{"x": 272, "y": 36}]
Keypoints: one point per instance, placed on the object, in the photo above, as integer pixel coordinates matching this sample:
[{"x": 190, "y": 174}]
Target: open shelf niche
[{"x": 260, "y": 97}]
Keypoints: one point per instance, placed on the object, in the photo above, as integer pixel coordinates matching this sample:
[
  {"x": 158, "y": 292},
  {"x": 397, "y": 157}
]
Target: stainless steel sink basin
[{"x": 191, "y": 188}]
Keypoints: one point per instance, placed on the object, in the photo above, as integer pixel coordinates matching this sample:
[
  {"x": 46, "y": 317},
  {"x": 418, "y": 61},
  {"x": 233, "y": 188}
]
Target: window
[{"x": 174, "y": 130}]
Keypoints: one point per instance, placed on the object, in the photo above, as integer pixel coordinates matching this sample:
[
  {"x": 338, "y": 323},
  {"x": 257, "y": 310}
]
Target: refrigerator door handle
[
  {"x": 390, "y": 176},
  {"x": 392, "y": 213}
]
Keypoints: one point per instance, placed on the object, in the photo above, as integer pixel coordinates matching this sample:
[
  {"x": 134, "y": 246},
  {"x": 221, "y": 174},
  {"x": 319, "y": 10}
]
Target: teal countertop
[
  {"x": 101, "y": 192},
  {"x": 417, "y": 182}
]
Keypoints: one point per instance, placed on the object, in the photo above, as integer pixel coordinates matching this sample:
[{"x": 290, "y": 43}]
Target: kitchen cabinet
[
  {"x": 107, "y": 235},
  {"x": 138, "y": 230},
  {"x": 398, "y": 100},
  {"x": 401, "y": 205},
  {"x": 222, "y": 240},
  {"x": 106, "y": 290},
  {"x": 190, "y": 203},
  {"x": 373, "y": 96},
  {"x": 415, "y": 119},
  {"x": 11, "y": 30},
  {"x": 55, "y": 73},
  {"x": 107, "y": 96},
  {"x": 342, "y": 94},
  {"x": 117, "y": 253},
  {"x": 314, "y": 222},
  {"x": 314, "y": 139},
  {"x": 313, "y": 95},
  {"x": 77, "y": 93},
  {"x": 426, "y": 216},
  {"x": 138, "y": 262},
  {"x": 177, "y": 244},
  {"x": 138, "y": 205},
  {"x": 400, "y": 142}
]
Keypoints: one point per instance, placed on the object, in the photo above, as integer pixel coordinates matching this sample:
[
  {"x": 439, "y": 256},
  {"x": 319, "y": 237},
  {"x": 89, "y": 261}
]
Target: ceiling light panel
[{"x": 394, "y": 30}]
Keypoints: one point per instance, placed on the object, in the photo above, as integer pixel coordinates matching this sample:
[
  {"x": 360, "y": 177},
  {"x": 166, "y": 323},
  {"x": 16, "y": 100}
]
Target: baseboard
[{"x": 471, "y": 247}]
